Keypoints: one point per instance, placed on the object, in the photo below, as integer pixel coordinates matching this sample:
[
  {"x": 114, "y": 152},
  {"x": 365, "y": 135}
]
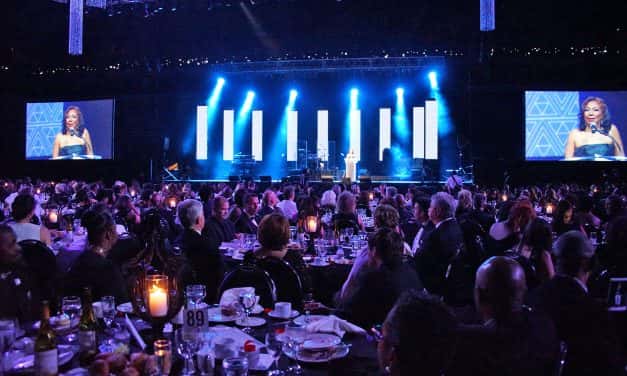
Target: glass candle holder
[{"x": 157, "y": 295}]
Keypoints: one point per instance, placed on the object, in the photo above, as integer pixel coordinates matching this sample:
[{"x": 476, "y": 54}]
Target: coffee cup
[{"x": 283, "y": 309}]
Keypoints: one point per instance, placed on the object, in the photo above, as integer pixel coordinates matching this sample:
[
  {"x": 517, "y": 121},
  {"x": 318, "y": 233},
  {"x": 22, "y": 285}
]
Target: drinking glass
[
  {"x": 71, "y": 306},
  {"x": 163, "y": 352},
  {"x": 275, "y": 347},
  {"x": 308, "y": 304},
  {"x": 195, "y": 295},
  {"x": 249, "y": 241},
  {"x": 186, "y": 347},
  {"x": 235, "y": 366},
  {"x": 247, "y": 300},
  {"x": 296, "y": 337},
  {"x": 108, "y": 310}
]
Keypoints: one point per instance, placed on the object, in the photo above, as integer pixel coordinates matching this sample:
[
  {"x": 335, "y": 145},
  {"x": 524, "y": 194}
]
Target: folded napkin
[
  {"x": 230, "y": 298},
  {"x": 335, "y": 325}
]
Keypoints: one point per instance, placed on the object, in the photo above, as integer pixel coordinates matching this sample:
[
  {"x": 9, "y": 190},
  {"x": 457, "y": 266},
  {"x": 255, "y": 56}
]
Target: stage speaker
[
  {"x": 265, "y": 179},
  {"x": 365, "y": 183},
  {"x": 233, "y": 179},
  {"x": 327, "y": 179}
]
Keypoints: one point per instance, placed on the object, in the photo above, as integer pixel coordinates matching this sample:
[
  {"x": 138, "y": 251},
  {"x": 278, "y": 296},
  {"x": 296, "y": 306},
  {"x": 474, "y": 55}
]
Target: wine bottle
[
  {"x": 87, "y": 327},
  {"x": 46, "y": 353}
]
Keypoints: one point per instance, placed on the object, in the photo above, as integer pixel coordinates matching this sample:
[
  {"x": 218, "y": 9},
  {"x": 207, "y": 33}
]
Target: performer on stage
[
  {"x": 74, "y": 138},
  {"x": 351, "y": 166},
  {"x": 596, "y": 135}
]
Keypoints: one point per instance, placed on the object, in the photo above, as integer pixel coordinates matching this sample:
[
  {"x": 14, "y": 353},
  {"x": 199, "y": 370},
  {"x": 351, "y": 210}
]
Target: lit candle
[
  {"x": 158, "y": 302},
  {"x": 53, "y": 217},
  {"x": 311, "y": 224},
  {"x": 38, "y": 191},
  {"x": 172, "y": 203},
  {"x": 371, "y": 196},
  {"x": 549, "y": 209},
  {"x": 132, "y": 193},
  {"x": 504, "y": 197}
]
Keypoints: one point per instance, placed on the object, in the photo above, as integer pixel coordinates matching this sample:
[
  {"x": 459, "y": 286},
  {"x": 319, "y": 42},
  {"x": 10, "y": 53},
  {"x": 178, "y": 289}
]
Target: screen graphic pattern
[
  {"x": 550, "y": 116},
  {"x": 44, "y": 122}
]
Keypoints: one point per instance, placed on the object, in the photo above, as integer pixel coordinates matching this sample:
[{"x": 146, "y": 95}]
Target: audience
[
  {"x": 23, "y": 210},
  {"x": 201, "y": 251},
  {"x": 581, "y": 322},
  {"x": 218, "y": 226},
  {"x": 534, "y": 253},
  {"x": 247, "y": 222}
]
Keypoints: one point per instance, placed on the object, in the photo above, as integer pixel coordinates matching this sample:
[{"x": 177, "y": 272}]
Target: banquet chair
[
  {"x": 250, "y": 275},
  {"x": 289, "y": 287},
  {"x": 126, "y": 248},
  {"x": 43, "y": 263}
]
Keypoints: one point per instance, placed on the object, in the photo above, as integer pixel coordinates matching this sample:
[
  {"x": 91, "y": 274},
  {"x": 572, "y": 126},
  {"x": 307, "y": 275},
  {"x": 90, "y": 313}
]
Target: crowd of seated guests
[{"x": 495, "y": 278}]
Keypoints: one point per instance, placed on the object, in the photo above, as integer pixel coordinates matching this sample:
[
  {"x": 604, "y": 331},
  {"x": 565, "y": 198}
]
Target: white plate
[
  {"x": 252, "y": 322},
  {"x": 317, "y": 356},
  {"x": 300, "y": 320},
  {"x": 274, "y": 315},
  {"x": 125, "y": 307},
  {"x": 215, "y": 315},
  {"x": 27, "y": 362},
  {"x": 320, "y": 341}
]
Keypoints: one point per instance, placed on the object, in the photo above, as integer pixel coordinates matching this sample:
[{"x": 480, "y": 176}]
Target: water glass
[
  {"x": 293, "y": 233},
  {"x": 108, "y": 310},
  {"x": 195, "y": 295},
  {"x": 186, "y": 347},
  {"x": 236, "y": 366},
  {"x": 71, "y": 306},
  {"x": 249, "y": 241},
  {"x": 247, "y": 300},
  {"x": 274, "y": 346}
]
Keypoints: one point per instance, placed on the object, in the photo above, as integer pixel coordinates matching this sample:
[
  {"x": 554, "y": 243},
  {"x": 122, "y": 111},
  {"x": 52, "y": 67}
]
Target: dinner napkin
[{"x": 335, "y": 325}]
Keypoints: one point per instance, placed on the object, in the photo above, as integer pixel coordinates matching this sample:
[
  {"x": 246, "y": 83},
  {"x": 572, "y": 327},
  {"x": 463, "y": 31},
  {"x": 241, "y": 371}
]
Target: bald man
[{"x": 510, "y": 339}]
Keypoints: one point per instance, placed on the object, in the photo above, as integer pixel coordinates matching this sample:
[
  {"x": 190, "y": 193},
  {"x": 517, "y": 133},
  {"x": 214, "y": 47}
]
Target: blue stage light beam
[
  {"x": 354, "y": 96},
  {"x": 353, "y": 125},
  {"x": 205, "y": 121},
  {"x": 274, "y": 162},
  {"x": 401, "y": 122},
  {"x": 433, "y": 80},
  {"x": 242, "y": 119}
]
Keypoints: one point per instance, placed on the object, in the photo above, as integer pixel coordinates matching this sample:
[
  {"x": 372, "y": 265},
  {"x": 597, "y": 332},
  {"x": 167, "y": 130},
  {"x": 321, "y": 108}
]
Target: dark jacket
[
  {"x": 18, "y": 292},
  {"x": 436, "y": 253},
  {"x": 99, "y": 273},
  {"x": 245, "y": 224},
  {"x": 583, "y": 323},
  {"x": 221, "y": 231},
  {"x": 205, "y": 259},
  {"x": 376, "y": 292}
]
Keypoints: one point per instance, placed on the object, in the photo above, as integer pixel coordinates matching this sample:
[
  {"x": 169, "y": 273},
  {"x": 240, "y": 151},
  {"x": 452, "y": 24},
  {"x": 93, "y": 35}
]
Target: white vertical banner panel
[
  {"x": 323, "y": 135},
  {"x": 292, "y": 136},
  {"x": 201, "y": 133},
  {"x": 385, "y": 130},
  {"x": 355, "y": 133},
  {"x": 419, "y": 132},
  {"x": 431, "y": 129},
  {"x": 257, "y": 135},
  {"x": 227, "y": 140}
]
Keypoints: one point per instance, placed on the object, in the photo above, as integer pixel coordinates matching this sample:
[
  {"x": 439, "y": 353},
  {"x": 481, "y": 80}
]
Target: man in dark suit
[
  {"x": 247, "y": 221},
  {"x": 510, "y": 338},
  {"x": 582, "y": 322},
  {"x": 439, "y": 246},
  {"x": 218, "y": 226},
  {"x": 201, "y": 250},
  {"x": 269, "y": 203}
]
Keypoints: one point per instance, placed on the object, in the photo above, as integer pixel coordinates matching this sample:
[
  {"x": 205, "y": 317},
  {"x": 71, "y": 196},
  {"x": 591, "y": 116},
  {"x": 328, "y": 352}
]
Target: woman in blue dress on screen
[
  {"x": 74, "y": 139},
  {"x": 596, "y": 136}
]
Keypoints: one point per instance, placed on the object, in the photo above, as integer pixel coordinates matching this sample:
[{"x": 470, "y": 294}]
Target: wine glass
[
  {"x": 186, "y": 347},
  {"x": 195, "y": 295},
  {"x": 247, "y": 300},
  {"x": 108, "y": 310},
  {"x": 308, "y": 304},
  {"x": 296, "y": 337},
  {"x": 71, "y": 307},
  {"x": 275, "y": 347}
]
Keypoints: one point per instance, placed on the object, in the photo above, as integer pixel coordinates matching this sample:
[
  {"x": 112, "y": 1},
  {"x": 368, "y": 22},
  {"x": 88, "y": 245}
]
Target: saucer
[
  {"x": 273, "y": 314},
  {"x": 252, "y": 322}
]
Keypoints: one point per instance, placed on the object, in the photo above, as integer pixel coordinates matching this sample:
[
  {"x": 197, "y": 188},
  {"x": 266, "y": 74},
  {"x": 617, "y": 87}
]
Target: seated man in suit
[
  {"x": 581, "y": 321},
  {"x": 439, "y": 246},
  {"x": 511, "y": 339},
  {"x": 418, "y": 229},
  {"x": 269, "y": 202},
  {"x": 247, "y": 221},
  {"x": 218, "y": 226},
  {"x": 201, "y": 251}
]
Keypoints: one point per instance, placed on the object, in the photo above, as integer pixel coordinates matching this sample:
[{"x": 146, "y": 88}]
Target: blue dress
[
  {"x": 70, "y": 150},
  {"x": 593, "y": 150}
]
